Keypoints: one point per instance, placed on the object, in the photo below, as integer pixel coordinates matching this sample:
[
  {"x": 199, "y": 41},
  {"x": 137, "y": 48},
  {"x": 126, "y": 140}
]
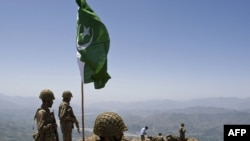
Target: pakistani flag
[{"x": 92, "y": 43}]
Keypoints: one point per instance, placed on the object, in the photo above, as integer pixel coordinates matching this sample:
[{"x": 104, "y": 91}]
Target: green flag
[{"x": 92, "y": 43}]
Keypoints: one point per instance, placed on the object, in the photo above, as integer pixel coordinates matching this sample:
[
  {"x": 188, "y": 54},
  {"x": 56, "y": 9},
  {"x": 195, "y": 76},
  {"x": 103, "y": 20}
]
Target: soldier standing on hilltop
[
  {"x": 182, "y": 132},
  {"x": 45, "y": 122},
  {"x": 67, "y": 117}
]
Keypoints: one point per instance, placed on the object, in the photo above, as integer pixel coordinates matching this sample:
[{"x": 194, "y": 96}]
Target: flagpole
[{"x": 83, "y": 131}]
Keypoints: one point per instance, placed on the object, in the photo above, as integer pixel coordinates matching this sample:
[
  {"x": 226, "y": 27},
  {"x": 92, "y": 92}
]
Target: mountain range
[{"x": 225, "y": 103}]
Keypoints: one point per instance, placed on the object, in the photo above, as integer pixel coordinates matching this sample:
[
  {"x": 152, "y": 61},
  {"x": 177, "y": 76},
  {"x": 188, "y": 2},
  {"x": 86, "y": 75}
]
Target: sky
[{"x": 161, "y": 49}]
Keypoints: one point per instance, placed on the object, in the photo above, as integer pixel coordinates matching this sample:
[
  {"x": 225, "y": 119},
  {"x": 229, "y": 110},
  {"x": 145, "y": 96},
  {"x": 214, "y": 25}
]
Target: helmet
[
  {"x": 66, "y": 94},
  {"x": 46, "y": 94},
  {"x": 109, "y": 124}
]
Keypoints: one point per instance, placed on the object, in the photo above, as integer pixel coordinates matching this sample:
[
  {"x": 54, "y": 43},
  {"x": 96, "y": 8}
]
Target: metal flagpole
[{"x": 83, "y": 131}]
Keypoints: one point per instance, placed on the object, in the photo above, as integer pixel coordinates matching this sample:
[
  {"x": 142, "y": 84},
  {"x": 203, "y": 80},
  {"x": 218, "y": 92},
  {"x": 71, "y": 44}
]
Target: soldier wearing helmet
[
  {"x": 159, "y": 137},
  {"x": 45, "y": 124},
  {"x": 109, "y": 126},
  {"x": 67, "y": 116}
]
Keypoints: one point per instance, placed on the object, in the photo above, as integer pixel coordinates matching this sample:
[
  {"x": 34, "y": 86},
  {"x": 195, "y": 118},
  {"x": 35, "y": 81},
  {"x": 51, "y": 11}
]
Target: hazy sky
[{"x": 160, "y": 49}]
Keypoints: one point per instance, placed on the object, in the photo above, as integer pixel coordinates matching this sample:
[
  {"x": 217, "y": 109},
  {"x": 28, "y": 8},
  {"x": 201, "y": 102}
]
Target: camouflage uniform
[
  {"x": 172, "y": 138},
  {"x": 182, "y": 132},
  {"x": 159, "y": 137},
  {"x": 44, "y": 118},
  {"x": 67, "y": 117},
  {"x": 109, "y": 126}
]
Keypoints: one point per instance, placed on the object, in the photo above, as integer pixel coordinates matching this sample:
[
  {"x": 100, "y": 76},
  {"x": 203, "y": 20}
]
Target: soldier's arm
[
  {"x": 41, "y": 122},
  {"x": 74, "y": 119},
  {"x": 64, "y": 113}
]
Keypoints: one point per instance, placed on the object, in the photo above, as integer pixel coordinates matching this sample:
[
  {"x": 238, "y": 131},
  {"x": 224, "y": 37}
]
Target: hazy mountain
[
  {"x": 18, "y": 102},
  {"x": 232, "y": 103}
]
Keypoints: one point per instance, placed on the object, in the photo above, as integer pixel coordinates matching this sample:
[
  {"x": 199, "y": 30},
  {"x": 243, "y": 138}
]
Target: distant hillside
[
  {"x": 20, "y": 102},
  {"x": 220, "y": 102},
  {"x": 200, "y": 125},
  {"x": 231, "y": 103}
]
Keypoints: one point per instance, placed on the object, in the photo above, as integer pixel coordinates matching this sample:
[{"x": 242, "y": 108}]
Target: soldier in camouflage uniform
[
  {"x": 67, "y": 116},
  {"x": 109, "y": 126},
  {"x": 45, "y": 124},
  {"x": 182, "y": 131},
  {"x": 159, "y": 137}
]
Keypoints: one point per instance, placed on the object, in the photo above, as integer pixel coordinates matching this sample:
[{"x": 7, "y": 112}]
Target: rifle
[{"x": 54, "y": 122}]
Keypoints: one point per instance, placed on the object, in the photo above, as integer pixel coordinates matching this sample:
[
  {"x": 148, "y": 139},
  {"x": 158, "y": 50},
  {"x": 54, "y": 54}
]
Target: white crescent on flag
[{"x": 85, "y": 33}]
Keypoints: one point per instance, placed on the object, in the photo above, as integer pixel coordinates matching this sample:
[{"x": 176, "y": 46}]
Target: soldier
[
  {"x": 46, "y": 125},
  {"x": 109, "y": 126},
  {"x": 159, "y": 137},
  {"x": 67, "y": 116},
  {"x": 182, "y": 131}
]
